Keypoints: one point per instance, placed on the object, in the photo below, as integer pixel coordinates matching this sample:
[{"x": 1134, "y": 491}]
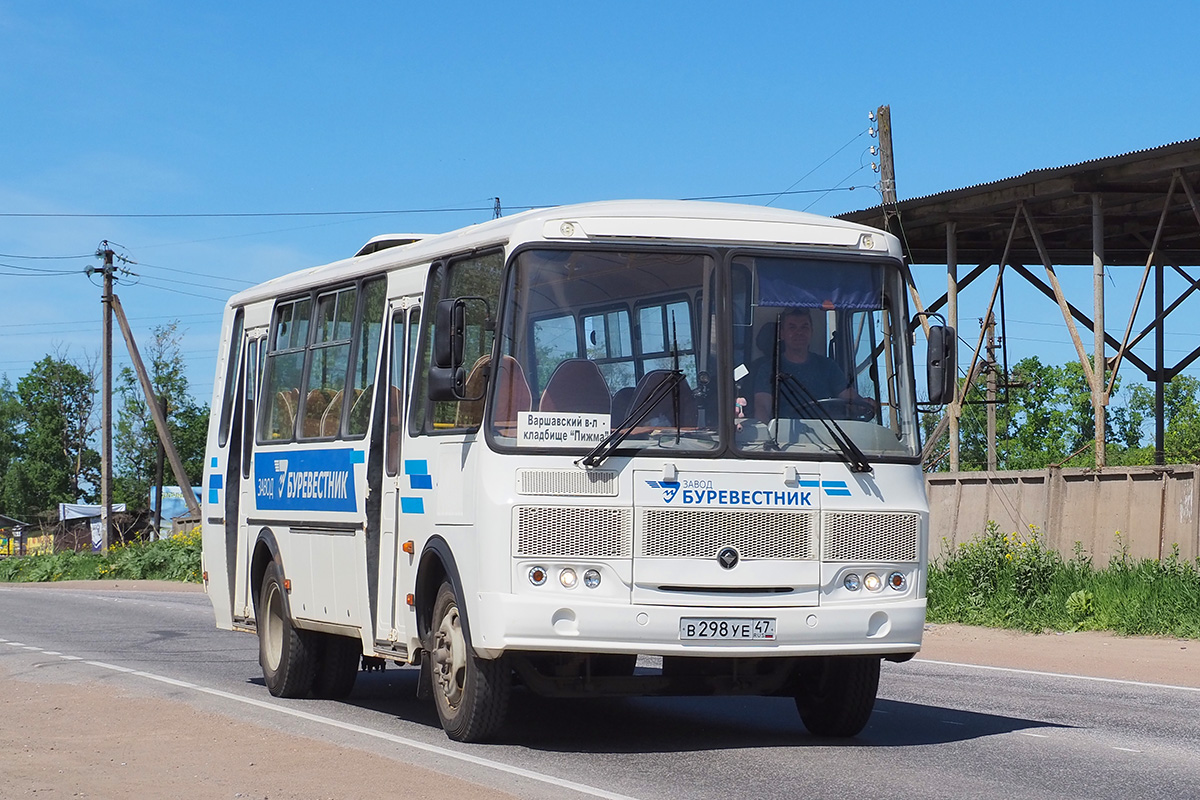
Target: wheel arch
[
  {"x": 437, "y": 564},
  {"x": 266, "y": 550}
]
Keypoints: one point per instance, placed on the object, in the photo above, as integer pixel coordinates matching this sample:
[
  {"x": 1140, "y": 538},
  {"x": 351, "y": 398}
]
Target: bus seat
[
  {"x": 621, "y": 403},
  {"x": 663, "y": 412},
  {"x": 361, "y": 409},
  {"x": 512, "y": 392},
  {"x": 331, "y": 418},
  {"x": 285, "y": 413},
  {"x": 577, "y": 385},
  {"x": 314, "y": 407}
]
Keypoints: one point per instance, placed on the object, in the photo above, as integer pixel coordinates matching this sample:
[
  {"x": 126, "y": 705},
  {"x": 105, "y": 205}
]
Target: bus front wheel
[
  {"x": 287, "y": 654},
  {"x": 471, "y": 693},
  {"x": 836, "y": 694}
]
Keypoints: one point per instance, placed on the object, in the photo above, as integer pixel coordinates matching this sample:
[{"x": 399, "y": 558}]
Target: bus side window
[
  {"x": 478, "y": 276},
  {"x": 329, "y": 359},
  {"x": 252, "y": 375},
  {"x": 366, "y": 337},
  {"x": 231, "y": 375},
  {"x": 395, "y": 410},
  {"x": 284, "y": 371}
]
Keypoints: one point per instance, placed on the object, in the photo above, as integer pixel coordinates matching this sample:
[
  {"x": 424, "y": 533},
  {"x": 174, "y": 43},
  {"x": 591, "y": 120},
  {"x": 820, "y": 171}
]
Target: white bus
[{"x": 526, "y": 452}]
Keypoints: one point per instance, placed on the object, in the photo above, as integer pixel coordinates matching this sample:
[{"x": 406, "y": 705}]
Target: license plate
[{"x": 726, "y": 629}]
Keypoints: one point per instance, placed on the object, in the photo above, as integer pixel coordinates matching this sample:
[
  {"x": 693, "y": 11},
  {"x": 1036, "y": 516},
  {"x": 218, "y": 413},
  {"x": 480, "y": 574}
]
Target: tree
[
  {"x": 135, "y": 441},
  {"x": 52, "y": 460}
]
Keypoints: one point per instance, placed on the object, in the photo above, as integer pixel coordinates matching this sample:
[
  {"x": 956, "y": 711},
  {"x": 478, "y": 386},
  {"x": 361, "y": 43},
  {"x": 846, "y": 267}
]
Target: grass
[
  {"x": 173, "y": 559},
  {"x": 1012, "y": 581}
]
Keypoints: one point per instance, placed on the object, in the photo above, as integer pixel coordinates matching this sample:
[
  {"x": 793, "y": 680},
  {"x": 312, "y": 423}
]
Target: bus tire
[
  {"x": 471, "y": 693},
  {"x": 287, "y": 654},
  {"x": 337, "y": 668},
  {"x": 835, "y": 697}
]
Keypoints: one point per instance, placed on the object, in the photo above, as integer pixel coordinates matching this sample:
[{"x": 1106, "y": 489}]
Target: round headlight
[
  {"x": 568, "y": 578},
  {"x": 537, "y": 575},
  {"x": 898, "y": 581},
  {"x": 852, "y": 582},
  {"x": 591, "y": 578},
  {"x": 873, "y": 582}
]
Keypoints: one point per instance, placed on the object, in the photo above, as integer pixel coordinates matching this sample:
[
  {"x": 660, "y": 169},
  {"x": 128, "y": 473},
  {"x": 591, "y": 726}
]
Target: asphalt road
[{"x": 939, "y": 731}]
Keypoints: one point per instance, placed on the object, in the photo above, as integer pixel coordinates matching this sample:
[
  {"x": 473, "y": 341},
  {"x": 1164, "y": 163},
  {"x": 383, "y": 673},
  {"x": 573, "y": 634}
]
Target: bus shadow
[{"x": 683, "y": 724}]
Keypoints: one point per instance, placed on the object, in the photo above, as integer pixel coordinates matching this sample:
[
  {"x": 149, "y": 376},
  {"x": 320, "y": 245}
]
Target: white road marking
[
  {"x": 1034, "y": 735},
  {"x": 488, "y": 763},
  {"x": 1127, "y": 750},
  {"x": 1060, "y": 675}
]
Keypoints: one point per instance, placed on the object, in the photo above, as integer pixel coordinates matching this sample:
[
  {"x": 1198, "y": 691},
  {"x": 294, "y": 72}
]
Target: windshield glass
[
  {"x": 595, "y": 342},
  {"x": 819, "y": 352},
  {"x": 592, "y": 339}
]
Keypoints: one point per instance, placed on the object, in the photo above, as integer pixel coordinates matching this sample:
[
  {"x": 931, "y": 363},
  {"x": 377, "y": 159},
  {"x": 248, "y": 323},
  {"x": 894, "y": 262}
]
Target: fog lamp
[
  {"x": 873, "y": 582},
  {"x": 852, "y": 582},
  {"x": 568, "y": 578},
  {"x": 591, "y": 578}
]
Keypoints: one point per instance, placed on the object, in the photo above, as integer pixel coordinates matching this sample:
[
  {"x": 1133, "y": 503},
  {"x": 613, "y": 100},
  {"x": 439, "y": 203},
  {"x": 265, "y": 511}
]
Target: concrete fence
[{"x": 1153, "y": 508}]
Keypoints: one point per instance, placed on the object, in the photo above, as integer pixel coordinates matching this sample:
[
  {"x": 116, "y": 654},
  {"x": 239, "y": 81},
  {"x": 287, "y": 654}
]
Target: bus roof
[{"x": 612, "y": 220}]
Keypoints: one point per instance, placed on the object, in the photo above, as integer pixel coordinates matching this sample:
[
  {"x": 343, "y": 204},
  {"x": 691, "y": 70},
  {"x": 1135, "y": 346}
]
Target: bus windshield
[{"x": 597, "y": 344}]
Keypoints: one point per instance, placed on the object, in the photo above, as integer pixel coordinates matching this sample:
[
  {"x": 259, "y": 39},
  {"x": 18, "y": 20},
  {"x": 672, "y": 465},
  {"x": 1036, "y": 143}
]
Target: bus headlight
[
  {"x": 591, "y": 578},
  {"x": 537, "y": 575},
  {"x": 568, "y": 578},
  {"x": 852, "y": 582},
  {"x": 898, "y": 581},
  {"x": 872, "y": 582}
]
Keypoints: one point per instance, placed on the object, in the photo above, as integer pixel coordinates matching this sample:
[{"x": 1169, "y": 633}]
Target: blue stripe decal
[
  {"x": 213, "y": 497},
  {"x": 810, "y": 484},
  {"x": 834, "y": 484},
  {"x": 838, "y": 492},
  {"x": 214, "y": 462},
  {"x": 416, "y": 467},
  {"x": 420, "y": 481},
  {"x": 412, "y": 505},
  {"x": 216, "y": 481},
  {"x": 358, "y": 456}
]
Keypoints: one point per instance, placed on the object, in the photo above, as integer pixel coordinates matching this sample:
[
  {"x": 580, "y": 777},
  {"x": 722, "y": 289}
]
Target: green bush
[
  {"x": 1013, "y": 581},
  {"x": 173, "y": 559}
]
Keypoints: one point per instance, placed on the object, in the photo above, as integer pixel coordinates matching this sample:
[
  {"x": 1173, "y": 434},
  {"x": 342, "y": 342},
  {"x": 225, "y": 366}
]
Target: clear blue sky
[{"x": 128, "y": 107}]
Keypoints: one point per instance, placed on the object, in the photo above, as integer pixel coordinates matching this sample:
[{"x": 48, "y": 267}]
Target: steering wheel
[{"x": 853, "y": 408}]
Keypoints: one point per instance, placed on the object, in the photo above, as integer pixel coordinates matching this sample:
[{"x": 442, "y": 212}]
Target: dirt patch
[
  {"x": 1102, "y": 655},
  {"x": 87, "y": 740}
]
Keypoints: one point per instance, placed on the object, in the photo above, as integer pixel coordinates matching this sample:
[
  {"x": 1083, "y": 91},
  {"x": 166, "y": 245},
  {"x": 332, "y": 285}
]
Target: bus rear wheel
[
  {"x": 337, "y": 669},
  {"x": 836, "y": 694},
  {"x": 471, "y": 693},
  {"x": 287, "y": 654}
]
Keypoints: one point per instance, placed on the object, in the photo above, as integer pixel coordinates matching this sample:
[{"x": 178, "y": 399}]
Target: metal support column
[
  {"x": 1159, "y": 368},
  {"x": 1099, "y": 395},
  {"x": 954, "y": 408}
]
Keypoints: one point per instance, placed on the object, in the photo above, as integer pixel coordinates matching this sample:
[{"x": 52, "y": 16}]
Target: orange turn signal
[
  {"x": 287, "y": 584},
  {"x": 408, "y": 547},
  {"x": 410, "y": 599}
]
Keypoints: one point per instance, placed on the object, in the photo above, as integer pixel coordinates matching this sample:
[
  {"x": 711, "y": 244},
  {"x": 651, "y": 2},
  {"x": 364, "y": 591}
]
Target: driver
[{"x": 821, "y": 376}]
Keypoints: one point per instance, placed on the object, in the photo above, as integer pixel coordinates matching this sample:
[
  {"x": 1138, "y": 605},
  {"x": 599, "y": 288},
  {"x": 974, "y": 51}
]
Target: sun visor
[{"x": 804, "y": 283}]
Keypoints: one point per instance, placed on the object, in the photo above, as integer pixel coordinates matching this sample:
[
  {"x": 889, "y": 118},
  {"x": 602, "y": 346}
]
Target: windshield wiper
[
  {"x": 855, "y": 456},
  {"x": 620, "y": 433}
]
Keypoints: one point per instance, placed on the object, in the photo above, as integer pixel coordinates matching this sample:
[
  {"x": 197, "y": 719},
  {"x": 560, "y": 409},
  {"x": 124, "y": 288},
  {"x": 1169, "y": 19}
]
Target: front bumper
[{"x": 500, "y": 622}]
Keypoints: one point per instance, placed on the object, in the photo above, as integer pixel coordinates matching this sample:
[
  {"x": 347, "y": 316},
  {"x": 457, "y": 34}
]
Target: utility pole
[
  {"x": 106, "y": 399},
  {"x": 887, "y": 165},
  {"x": 158, "y": 475},
  {"x": 991, "y": 392}
]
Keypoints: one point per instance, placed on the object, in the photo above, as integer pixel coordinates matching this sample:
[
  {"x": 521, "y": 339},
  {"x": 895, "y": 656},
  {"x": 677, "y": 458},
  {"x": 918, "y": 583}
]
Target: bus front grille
[
  {"x": 566, "y": 482},
  {"x": 564, "y": 531},
  {"x": 873, "y": 536},
  {"x": 687, "y": 533}
]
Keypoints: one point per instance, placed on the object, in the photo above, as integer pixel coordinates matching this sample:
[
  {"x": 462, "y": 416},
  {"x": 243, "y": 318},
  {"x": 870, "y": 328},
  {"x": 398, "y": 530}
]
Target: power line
[
  {"x": 248, "y": 214},
  {"x": 47, "y": 258}
]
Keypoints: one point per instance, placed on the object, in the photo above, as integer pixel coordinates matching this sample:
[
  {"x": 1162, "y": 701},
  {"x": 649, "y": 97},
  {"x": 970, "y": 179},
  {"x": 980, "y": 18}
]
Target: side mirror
[
  {"x": 449, "y": 326},
  {"x": 941, "y": 364}
]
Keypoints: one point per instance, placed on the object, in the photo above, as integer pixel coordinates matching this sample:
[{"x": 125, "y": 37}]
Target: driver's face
[{"x": 796, "y": 333}]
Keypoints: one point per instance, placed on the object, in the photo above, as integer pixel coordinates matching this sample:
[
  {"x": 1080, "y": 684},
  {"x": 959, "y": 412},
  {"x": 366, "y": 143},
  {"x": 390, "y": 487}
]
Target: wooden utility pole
[
  {"x": 887, "y": 165},
  {"x": 160, "y": 421},
  {"x": 106, "y": 398},
  {"x": 158, "y": 475}
]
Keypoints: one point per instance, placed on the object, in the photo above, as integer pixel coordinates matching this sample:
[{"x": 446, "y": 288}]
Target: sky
[{"x": 117, "y": 111}]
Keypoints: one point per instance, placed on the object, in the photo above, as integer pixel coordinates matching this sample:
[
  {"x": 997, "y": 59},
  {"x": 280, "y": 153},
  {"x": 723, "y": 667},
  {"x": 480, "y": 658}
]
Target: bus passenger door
[
  {"x": 241, "y": 473},
  {"x": 396, "y": 567}
]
